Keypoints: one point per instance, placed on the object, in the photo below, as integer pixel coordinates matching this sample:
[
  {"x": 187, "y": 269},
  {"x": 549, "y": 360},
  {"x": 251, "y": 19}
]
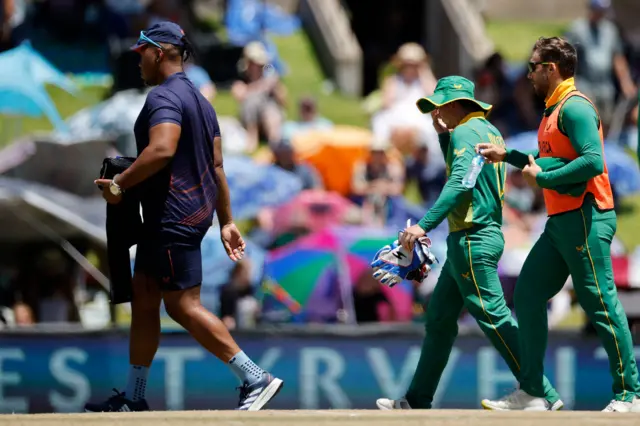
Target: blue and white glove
[{"x": 393, "y": 264}]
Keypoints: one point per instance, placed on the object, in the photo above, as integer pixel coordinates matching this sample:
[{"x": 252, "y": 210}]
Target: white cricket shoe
[
  {"x": 623, "y": 407},
  {"x": 393, "y": 404},
  {"x": 520, "y": 400},
  {"x": 557, "y": 406}
]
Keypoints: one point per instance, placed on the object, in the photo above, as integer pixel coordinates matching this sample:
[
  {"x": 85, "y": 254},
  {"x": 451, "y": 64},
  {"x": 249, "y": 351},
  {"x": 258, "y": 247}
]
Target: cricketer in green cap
[
  {"x": 469, "y": 277},
  {"x": 449, "y": 89}
]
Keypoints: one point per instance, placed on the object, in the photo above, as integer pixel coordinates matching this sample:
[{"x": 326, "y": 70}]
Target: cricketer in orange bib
[{"x": 577, "y": 237}]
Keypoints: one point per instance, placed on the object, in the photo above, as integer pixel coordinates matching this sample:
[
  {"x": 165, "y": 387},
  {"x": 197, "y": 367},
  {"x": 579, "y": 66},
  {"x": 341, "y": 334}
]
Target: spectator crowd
[{"x": 401, "y": 161}]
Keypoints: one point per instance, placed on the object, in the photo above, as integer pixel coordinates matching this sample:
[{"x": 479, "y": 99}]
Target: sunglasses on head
[
  {"x": 532, "y": 65},
  {"x": 147, "y": 40}
]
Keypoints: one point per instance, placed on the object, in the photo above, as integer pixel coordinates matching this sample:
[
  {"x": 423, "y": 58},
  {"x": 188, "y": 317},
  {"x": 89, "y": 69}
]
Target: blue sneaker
[
  {"x": 255, "y": 396},
  {"x": 117, "y": 402}
]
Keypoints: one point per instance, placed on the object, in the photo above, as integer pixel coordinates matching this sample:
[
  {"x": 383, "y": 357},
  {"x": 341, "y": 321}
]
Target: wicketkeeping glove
[{"x": 393, "y": 264}]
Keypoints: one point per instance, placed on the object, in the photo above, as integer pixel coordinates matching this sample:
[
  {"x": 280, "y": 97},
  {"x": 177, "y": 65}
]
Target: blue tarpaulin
[
  {"x": 247, "y": 20},
  {"x": 23, "y": 76},
  {"x": 251, "y": 20},
  {"x": 254, "y": 186}
]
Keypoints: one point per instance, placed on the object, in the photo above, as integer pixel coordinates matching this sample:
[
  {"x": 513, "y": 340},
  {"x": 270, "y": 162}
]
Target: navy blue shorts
[{"x": 174, "y": 267}]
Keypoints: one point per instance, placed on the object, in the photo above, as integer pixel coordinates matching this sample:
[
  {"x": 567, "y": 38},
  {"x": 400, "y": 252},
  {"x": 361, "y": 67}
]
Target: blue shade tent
[
  {"x": 23, "y": 76},
  {"x": 254, "y": 186}
]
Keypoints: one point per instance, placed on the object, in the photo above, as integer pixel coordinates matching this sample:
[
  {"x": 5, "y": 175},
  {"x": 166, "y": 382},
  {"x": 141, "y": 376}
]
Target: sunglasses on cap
[
  {"x": 144, "y": 39},
  {"x": 532, "y": 65}
]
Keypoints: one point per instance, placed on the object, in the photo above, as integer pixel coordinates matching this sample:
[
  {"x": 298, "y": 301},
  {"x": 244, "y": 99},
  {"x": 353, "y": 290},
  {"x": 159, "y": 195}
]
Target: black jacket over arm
[{"x": 124, "y": 227}]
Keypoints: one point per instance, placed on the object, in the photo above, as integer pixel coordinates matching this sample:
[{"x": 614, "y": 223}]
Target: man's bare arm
[
  {"x": 223, "y": 203},
  {"x": 163, "y": 143}
]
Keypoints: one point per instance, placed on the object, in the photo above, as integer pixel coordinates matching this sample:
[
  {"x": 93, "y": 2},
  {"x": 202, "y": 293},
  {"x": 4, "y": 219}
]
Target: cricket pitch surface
[{"x": 328, "y": 417}]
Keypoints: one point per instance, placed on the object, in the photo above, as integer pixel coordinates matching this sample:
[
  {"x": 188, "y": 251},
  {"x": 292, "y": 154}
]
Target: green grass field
[{"x": 514, "y": 39}]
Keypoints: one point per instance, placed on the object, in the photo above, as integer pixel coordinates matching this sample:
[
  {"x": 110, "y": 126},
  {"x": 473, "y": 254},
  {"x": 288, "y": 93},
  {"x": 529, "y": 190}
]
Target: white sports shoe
[
  {"x": 557, "y": 406},
  {"x": 520, "y": 400},
  {"x": 623, "y": 407},
  {"x": 393, "y": 404}
]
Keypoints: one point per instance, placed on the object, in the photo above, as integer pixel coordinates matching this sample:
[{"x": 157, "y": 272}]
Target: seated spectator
[
  {"x": 308, "y": 119},
  {"x": 399, "y": 121},
  {"x": 200, "y": 78},
  {"x": 12, "y": 310},
  {"x": 238, "y": 306},
  {"x": 284, "y": 157},
  {"x": 367, "y": 298},
  {"x": 430, "y": 176},
  {"x": 601, "y": 59},
  {"x": 375, "y": 181},
  {"x": 46, "y": 287},
  {"x": 261, "y": 96},
  {"x": 493, "y": 86}
]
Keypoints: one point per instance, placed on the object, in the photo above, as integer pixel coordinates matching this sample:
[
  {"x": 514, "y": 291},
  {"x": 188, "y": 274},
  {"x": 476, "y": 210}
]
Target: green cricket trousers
[
  {"x": 576, "y": 243},
  {"x": 469, "y": 279}
]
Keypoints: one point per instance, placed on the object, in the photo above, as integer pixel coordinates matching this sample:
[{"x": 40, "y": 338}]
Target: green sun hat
[{"x": 449, "y": 89}]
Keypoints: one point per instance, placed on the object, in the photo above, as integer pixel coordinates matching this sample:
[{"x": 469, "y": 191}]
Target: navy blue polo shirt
[{"x": 178, "y": 202}]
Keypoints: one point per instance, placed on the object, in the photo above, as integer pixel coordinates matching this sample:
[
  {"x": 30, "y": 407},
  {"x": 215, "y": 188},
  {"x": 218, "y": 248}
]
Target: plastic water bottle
[{"x": 470, "y": 178}]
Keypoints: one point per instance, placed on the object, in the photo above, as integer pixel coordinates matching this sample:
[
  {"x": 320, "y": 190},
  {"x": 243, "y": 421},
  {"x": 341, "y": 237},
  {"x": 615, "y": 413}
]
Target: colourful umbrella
[
  {"x": 312, "y": 278},
  {"x": 361, "y": 245},
  {"x": 315, "y": 209},
  {"x": 304, "y": 277}
]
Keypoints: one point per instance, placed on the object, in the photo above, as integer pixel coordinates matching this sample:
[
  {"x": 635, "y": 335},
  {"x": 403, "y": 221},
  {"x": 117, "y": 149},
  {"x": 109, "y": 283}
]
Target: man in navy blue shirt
[{"x": 179, "y": 176}]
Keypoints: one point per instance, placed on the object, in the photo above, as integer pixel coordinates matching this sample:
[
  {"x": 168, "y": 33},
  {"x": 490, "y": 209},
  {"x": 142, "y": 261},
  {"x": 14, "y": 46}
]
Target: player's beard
[
  {"x": 541, "y": 87},
  {"x": 150, "y": 78}
]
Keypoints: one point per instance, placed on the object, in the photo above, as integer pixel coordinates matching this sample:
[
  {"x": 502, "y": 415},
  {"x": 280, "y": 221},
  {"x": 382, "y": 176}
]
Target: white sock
[
  {"x": 137, "y": 382},
  {"x": 245, "y": 369}
]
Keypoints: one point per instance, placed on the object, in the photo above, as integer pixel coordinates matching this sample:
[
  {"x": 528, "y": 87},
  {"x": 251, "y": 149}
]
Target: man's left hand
[
  {"x": 232, "y": 241},
  {"x": 106, "y": 192},
  {"x": 530, "y": 171},
  {"x": 409, "y": 236}
]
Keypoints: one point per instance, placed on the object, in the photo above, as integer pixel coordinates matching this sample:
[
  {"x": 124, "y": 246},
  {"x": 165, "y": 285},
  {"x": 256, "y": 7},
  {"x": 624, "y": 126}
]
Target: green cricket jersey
[{"x": 465, "y": 207}]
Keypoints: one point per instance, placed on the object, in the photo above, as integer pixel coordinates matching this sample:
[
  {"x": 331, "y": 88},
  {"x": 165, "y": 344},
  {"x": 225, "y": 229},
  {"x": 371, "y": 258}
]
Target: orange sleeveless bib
[{"x": 552, "y": 143}]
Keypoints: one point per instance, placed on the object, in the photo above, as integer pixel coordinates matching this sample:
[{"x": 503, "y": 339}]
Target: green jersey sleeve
[
  {"x": 462, "y": 142},
  {"x": 580, "y": 122}
]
